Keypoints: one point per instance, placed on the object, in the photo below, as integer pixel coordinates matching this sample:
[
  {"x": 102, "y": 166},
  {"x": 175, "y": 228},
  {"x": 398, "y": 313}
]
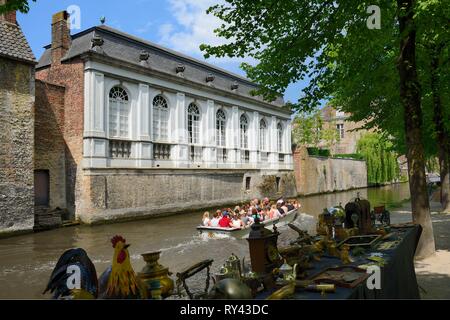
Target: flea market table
[{"x": 398, "y": 277}]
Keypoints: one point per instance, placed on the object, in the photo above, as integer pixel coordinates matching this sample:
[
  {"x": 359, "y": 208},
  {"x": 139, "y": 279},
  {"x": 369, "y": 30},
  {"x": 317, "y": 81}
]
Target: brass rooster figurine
[{"x": 120, "y": 281}]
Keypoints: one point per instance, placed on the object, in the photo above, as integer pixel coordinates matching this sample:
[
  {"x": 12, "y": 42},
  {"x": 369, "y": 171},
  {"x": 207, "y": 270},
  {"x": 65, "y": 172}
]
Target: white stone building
[
  {"x": 137, "y": 120},
  {"x": 154, "y": 115}
]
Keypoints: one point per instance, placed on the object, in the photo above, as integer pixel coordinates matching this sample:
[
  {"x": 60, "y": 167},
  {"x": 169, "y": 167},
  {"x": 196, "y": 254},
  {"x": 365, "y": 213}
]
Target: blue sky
[{"x": 181, "y": 25}]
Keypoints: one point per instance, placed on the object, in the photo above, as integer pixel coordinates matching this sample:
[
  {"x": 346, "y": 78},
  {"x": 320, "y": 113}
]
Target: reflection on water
[{"x": 27, "y": 261}]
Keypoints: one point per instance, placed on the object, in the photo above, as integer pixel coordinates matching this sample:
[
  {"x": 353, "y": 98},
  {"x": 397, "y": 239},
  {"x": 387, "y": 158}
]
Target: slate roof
[
  {"x": 127, "y": 48},
  {"x": 13, "y": 43}
]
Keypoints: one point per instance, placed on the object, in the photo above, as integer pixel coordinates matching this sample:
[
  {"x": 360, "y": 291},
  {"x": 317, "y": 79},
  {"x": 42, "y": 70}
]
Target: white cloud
[{"x": 193, "y": 27}]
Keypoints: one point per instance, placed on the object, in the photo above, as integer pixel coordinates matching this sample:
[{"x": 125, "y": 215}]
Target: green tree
[
  {"x": 381, "y": 160},
  {"x": 329, "y": 43},
  {"x": 15, "y": 5},
  {"x": 308, "y": 129}
]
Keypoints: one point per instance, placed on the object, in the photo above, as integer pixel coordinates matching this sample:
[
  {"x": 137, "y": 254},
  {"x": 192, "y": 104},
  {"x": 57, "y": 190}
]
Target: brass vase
[{"x": 155, "y": 271}]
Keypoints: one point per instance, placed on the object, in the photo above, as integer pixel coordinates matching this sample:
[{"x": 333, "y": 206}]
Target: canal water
[{"x": 27, "y": 261}]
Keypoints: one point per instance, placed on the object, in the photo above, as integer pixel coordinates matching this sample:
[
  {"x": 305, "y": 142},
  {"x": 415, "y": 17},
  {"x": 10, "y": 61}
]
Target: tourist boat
[{"x": 218, "y": 232}]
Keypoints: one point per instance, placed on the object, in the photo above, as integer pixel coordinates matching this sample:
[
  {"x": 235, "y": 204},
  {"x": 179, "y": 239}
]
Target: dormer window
[{"x": 210, "y": 78}]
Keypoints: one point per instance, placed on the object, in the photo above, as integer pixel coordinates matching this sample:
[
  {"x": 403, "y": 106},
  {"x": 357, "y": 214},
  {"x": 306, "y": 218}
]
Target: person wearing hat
[{"x": 225, "y": 222}]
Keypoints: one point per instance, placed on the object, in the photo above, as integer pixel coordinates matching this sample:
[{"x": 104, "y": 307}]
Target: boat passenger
[
  {"x": 280, "y": 209},
  {"x": 260, "y": 214},
  {"x": 206, "y": 221},
  {"x": 256, "y": 203},
  {"x": 274, "y": 212},
  {"x": 216, "y": 218},
  {"x": 236, "y": 222},
  {"x": 266, "y": 212},
  {"x": 266, "y": 202},
  {"x": 225, "y": 222},
  {"x": 255, "y": 214},
  {"x": 250, "y": 218},
  {"x": 290, "y": 206},
  {"x": 284, "y": 207}
]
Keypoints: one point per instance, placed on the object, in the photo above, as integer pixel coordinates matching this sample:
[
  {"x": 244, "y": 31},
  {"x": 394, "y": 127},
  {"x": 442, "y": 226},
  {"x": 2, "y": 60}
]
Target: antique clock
[{"x": 264, "y": 254}]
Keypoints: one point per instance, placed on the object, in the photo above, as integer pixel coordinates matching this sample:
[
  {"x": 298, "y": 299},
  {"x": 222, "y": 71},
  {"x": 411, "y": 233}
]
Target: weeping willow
[{"x": 382, "y": 165}]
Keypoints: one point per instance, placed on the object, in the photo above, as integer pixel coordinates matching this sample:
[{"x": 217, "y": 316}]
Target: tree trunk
[
  {"x": 411, "y": 102},
  {"x": 443, "y": 140}
]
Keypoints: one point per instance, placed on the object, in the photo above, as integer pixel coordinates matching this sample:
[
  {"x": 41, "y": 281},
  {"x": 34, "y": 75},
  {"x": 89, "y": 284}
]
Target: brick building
[
  {"x": 127, "y": 128},
  {"x": 17, "y": 89},
  {"x": 347, "y": 135}
]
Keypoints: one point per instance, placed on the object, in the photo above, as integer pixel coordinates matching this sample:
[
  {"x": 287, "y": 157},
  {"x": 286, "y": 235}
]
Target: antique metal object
[
  {"x": 287, "y": 272},
  {"x": 155, "y": 271},
  {"x": 230, "y": 289},
  {"x": 264, "y": 255},
  {"x": 233, "y": 265},
  {"x": 155, "y": 289},
  {"x": 284, "y": 292},
  {"x": 345, "y": 254},
  {"x": 189, "y": 272}
]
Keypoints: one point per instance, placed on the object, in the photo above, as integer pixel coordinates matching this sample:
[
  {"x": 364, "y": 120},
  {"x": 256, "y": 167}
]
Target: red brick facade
[
  {"x": 66, "y": 79},
  {"x": 69, "y": 76},
  {"x": 49, "y": 148}
]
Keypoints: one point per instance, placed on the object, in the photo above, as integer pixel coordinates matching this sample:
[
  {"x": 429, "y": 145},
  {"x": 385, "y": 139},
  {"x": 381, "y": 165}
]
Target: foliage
[
  {"x": 382, "y": 165},
  {"x": 313, "y": 151},
  {"x": 267, "y": 186},
  {"x": 309, "y": 130},
  {"x": 328, "y": 42},
  {"x": 16, "y": 5}
]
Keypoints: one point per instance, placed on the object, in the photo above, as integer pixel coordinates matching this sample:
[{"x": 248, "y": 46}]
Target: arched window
[
  {"x": 119, "y": 111},
  {"x": 244, "y": 131},
  {"x": 221, "y": 121},
  {"x": 262, "y": 135},
  {"x": 193, "y": 123},
  {"x": 280, "y": 137},
  {"x": 160, "y": 118}
]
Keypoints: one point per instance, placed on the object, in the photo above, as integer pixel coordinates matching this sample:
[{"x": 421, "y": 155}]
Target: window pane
[{"x": 119, "y": 108}]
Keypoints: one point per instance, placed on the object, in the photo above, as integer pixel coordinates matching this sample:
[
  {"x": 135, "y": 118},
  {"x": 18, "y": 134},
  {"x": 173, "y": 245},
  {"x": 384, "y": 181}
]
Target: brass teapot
[{"x": 287, "y": 272}]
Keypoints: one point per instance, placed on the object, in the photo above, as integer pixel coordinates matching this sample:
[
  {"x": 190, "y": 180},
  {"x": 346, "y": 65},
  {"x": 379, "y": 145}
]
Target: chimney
[
  {"x": 60, "y": 35},
  {"x": 8, "y": 16}
]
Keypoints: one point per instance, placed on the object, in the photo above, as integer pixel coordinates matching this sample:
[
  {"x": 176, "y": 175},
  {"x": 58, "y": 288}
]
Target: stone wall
[
  {"x": 321, "y": 175},
  {"x": 16, "y": 146},
  {"x": 49, "y": 141},
  {"x": 119, "y": 194}
]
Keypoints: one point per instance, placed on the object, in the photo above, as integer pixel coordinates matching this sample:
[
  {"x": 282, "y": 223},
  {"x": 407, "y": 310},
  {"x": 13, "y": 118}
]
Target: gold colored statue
[
  {"x": 332, "y": 249},
  {"x": 345, "y": 255}
]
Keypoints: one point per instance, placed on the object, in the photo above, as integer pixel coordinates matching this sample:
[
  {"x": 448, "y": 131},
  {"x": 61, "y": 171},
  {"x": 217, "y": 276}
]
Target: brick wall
[
  {"x": 50, "y": 146},
  {"x": 70, "y": 76},
  {"x": 16, "y": 146}
]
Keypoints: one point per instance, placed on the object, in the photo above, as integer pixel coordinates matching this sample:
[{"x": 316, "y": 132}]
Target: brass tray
[{"x": 361, "y": 241}]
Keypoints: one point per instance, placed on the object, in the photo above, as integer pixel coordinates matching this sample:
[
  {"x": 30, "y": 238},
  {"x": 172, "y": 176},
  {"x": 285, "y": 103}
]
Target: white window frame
[
  {"x": 160, "y": 118},
  {"x": 341, "y": 130},
  {"x": 243, "y": 129},
  {"x": 119, "y": 113},
  {"x": 221, "y": 128},
  {"x": 193, "y": 118},
  {"x": 279, "y": 137},
  {"x": 262, "y": 135}
]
